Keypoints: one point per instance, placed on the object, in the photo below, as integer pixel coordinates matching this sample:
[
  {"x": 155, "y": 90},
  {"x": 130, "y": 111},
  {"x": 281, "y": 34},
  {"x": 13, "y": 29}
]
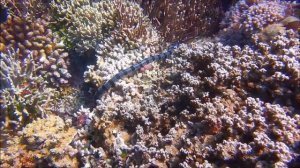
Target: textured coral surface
[{"x": 228, "y": 94}]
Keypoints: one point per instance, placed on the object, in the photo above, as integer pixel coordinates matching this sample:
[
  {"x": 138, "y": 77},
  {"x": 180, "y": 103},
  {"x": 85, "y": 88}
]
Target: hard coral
[
  {"x": 262, "y": 14},
  {"x": 247, "y": 18},
  {"x": 28, "y": 36},
  {"x": 89, "y": 23},
  {"x": 42, "y": 142},
  {"x": 183, "y": 19},
  {"x": 203, "y": 110},
  {"x": 86, "y": 22},
  {"x": 208, "y": 105},
  {"x": 30, "y": 8},
  {"x": 251, "y": 17},
  {"x": 131, "y": 40},
  {"x": 112, "y": 59},
  {"x": 24, "y": 94}
]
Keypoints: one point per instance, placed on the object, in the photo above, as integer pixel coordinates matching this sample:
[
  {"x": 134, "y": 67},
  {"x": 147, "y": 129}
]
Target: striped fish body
[{"x": 134, "y": 68}]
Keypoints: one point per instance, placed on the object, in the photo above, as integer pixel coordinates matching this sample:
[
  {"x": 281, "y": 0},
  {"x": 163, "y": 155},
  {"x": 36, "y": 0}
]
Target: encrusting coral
[{"x": 44, "y": 142}]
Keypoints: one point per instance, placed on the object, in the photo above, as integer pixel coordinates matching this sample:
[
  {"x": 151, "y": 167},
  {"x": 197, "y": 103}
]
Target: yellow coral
[
  {"x": 2, "y": 47},
  {"x": 46, "y": 138}
]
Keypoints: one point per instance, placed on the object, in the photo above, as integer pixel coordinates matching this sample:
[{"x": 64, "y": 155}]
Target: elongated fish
[{"x": 134, "y": 68}]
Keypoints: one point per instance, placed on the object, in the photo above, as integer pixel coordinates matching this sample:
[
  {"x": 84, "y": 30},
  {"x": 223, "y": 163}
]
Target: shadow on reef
[
  {"x": 226, "y": 4},
  {"x": 78, "y": 65}
]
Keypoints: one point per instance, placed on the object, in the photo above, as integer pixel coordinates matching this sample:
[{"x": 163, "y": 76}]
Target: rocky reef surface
[{"x": 228, "y": 95}]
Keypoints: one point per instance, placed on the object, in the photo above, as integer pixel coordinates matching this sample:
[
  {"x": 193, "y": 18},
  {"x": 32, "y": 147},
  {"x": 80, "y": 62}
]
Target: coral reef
[
  {"x": 44, "y": 142},
  {"x": 112, "y": 59},
  {"x": 90, "y": 23},
  {"x": 67, "y": 102},
  {"x": 33, "y": 36},
  {"x": 129, "y": 38},
  {"x": 24, "y": 94},
  {"x": 140, "y": 66},
  {"x": 250, "y": 17},
  {"x": 120, "y": 34},
  {"x": 178, "y": 20},
  {"x": 202, "y": 109},
  {"x": 255, "y": 16},
  {"x": 29, "y": 8},
  {"x": 224, "y": 101}
]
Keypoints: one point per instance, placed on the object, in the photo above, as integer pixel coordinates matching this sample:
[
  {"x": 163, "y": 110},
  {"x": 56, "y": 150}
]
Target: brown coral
[
  {"x": 183, "y": 19},
  {"x": 30, "y": 8},
  {"x": 28, "y": 36}
]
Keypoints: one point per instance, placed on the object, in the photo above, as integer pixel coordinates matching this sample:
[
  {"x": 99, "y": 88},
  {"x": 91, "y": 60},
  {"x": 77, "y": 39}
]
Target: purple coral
[
  {"x": 246, "y": 19},
  {"x": 262, "y": 14}
]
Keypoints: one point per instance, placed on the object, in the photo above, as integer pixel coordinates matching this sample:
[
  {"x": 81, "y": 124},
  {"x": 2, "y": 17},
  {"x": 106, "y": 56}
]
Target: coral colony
[{"x": 150, "y": 83}]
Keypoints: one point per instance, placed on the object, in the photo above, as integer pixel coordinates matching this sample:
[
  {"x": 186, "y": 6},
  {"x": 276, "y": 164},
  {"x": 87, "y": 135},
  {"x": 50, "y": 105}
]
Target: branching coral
[
  {"x": 24, "y": 94},
  {"x": 112, "y": 59},
  {"x": 262, "y": 14},
  {"x": 183, "y": 19},
  {"x": 206, "y": 108},
  {"x": 89, "y": 23},
  {"x": 255, "y": 16},
  {"x": 33, "y": 36},
  {"x": 29, "y": 8},
  {"x": 207, "y": 105},
  {"x": 117, "y": 30}
]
